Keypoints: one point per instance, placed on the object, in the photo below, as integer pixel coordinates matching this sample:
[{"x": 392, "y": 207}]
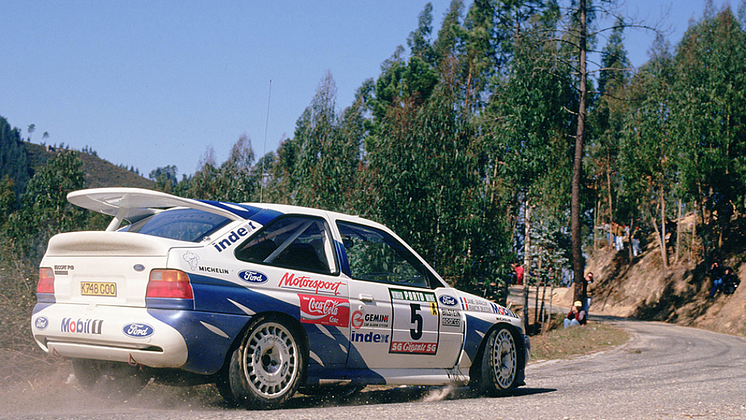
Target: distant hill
[{"x": 98, "y": 172}]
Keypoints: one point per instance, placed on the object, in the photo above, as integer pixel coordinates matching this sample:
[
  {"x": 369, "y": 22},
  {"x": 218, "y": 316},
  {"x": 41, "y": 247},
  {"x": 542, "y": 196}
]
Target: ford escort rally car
[{"x": 263, "y": 300}]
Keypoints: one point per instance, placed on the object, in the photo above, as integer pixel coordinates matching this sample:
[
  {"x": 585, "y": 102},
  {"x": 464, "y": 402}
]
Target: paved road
[{"x": 665, "y": 372}]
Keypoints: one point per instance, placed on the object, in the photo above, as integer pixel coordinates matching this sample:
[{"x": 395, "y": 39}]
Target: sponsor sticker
[
  {"x": 416, "y": 323},
  {"x": 476, "y": 305},
  {"x": 252, "y": 276},
  {"x": 192, "y": 259},
  {"x": 136, "y": 330},
  {"x": 360, "y": 320},
  {"x": 233, "y": 237},
  {"x": 448, "y": 300},
  {"x": 324, "y": 310},
  {"x": 307, "y": 284},
  {"x": 41, "y": 323},
  {"x": 81, "y": 326}
]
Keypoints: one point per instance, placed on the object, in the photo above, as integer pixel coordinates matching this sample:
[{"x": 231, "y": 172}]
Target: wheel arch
[
  {"x": 293, "y": 323},
  {"x": 474, "y": 370}
]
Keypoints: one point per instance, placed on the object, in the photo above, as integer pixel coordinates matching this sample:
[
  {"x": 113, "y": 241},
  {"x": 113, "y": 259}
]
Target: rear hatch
[{"x": 104, "y": 268}]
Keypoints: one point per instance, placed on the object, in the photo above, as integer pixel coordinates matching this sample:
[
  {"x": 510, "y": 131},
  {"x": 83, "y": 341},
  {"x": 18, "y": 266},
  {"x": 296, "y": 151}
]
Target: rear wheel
[
  {"x": 266, "y": 369},
  {"x": 111, "y": 379},
  {"x": 499, "y": 364}
]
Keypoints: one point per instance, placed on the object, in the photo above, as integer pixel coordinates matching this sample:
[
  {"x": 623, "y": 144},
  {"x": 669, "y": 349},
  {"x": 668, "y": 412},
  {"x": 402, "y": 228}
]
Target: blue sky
[{"x": 155, "y": 83}]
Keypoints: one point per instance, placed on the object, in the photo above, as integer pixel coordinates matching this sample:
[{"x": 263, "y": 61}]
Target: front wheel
[
  {"x": 266, "y": 369},
  {"x": 499, "y": 364}
]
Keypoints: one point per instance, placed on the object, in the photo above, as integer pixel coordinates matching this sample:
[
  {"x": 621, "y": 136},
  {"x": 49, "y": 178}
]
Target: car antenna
[{"x": 264, "y": 153}]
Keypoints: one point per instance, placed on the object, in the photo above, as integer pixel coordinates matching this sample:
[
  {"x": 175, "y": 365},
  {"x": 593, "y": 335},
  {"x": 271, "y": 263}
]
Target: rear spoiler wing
[{"x": 133, "y": 204}]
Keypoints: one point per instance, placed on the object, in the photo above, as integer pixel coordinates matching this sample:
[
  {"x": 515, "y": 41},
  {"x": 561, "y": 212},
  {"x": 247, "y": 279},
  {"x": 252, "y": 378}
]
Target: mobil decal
[
  {"x": 81, "y": 326},
  {"x": 307, "y": 284},
  {"x": 324, "y": 310}
]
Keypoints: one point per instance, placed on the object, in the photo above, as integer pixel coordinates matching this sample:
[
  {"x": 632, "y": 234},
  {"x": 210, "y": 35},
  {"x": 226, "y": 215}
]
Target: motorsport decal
[
  {"x": 135, "y": 330},
  {"x": 324, "y": 310},
  {"x": 360, "y": 320},
  {"x": 450, "y": 317},
  {"x": 307, "y": 284},
  {"x": 233, "y": 237},
  {"x": 416, "y": 323},
  {"x": 252, "y": 276},
  {"x": 81, "y": 326}
]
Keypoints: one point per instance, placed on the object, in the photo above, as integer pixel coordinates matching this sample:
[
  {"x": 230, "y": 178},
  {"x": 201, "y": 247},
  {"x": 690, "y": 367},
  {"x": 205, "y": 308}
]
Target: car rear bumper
[{"x": 121, "y": 334}]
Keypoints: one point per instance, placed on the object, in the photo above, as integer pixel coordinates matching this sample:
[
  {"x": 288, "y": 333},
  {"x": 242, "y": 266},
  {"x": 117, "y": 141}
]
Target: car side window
[
  {"x": 374, "y": 255},
  {"x": 296, "y": 242}
]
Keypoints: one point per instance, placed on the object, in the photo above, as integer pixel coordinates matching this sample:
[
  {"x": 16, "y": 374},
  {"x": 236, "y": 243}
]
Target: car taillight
[
  {"x": 169, "y": 284},
  {"x": 46, "y": 281}
]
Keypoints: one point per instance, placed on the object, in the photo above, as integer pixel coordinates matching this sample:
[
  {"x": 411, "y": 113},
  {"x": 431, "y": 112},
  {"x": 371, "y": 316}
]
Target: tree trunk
[
  {"x": 662, "y": 233},
  {"x": 577, "y": 168},
  {"x": 678, "y": 234}
]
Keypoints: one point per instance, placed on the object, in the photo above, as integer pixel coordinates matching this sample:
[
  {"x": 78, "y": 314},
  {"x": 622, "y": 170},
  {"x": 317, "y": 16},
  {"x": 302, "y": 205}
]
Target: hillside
[
  {"x": 98, "y": 172},
  {"x": 640, "y": 288}
]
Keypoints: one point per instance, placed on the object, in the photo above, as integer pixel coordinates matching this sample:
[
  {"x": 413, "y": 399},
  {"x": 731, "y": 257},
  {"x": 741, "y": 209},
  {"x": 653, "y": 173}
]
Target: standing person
[
  {"x": 587, "y": 292},
  {"x": 518, "y": 273},
  {"x": 716, "y": 274}
]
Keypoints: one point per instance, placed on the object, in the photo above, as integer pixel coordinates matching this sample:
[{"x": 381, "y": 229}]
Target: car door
[
  {"x": 396, "y": 319},
  {"x": 296, "y": 254}
]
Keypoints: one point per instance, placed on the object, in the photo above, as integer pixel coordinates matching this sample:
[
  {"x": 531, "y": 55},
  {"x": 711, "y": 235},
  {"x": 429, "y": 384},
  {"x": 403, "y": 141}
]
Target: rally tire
[
  {"x": 499, "y": 364},
  {"x": 110, "y": 379},
  {"x": 267, "y": 368}
]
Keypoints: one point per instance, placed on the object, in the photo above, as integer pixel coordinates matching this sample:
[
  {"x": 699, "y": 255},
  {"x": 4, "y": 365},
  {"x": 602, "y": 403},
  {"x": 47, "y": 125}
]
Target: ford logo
[
  {"x": 252, "y": 276},
  {"x": 41, "y": 323},
  {"x": 448, "y": 300},
  {"x": 138, "y": 330}
]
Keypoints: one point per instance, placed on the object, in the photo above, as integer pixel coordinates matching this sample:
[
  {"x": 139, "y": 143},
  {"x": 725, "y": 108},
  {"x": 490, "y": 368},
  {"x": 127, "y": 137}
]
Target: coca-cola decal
[
  {"x": 138, "y": 330},
  {"x": 324, "y": 310}
]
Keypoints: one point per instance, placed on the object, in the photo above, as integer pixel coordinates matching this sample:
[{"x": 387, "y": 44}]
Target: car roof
[{"x": 133, "y": 204}]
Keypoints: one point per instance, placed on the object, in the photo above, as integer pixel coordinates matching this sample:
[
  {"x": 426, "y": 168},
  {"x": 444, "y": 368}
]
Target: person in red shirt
[
  {"x": 576, "y": 316},
  {"x": 518, "y": 273}
]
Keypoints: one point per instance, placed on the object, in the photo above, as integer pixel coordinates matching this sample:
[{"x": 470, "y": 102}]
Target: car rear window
[{"x": 182, "y": 224}]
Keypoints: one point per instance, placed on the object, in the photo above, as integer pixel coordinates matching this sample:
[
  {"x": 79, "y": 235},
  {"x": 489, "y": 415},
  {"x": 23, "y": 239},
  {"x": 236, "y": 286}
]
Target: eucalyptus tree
[
  {"x": 709, "y": 119},
  {"x": 648, "y": 151},
  {"x": 607, "y": 121}
]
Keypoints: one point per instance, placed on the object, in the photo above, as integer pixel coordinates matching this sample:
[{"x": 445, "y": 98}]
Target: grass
[{"x": 561, "y": 343}]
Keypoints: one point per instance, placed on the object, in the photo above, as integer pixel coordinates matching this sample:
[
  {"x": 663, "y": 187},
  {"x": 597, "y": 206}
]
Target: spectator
[
  {"x": 518, "y": 273},
  {"x": 587, "y": 292},
  {"x": 716, "y": 274},
  {"x": 576, "y": 316}
]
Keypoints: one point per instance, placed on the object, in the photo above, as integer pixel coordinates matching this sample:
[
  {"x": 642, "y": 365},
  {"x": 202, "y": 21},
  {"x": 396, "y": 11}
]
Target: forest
[{"x": 496, "y": 140}]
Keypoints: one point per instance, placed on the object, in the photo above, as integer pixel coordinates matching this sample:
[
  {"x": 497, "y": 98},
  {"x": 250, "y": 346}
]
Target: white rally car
[{"x": 261, "y": 299}]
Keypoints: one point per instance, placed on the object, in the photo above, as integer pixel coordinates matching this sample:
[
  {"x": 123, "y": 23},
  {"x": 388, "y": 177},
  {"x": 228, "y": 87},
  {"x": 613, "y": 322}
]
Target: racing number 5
[{"x": 416, "y": 319}]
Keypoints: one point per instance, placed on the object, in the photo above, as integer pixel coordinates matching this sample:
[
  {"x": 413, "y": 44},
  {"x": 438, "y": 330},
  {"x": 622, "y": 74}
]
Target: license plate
[{"x": 97, "y": 288}]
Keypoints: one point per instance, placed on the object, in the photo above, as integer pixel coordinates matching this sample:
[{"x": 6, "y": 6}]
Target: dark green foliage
[
  {"x": 13, "y": 157},
  {"x": 44, "y": 209}
]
